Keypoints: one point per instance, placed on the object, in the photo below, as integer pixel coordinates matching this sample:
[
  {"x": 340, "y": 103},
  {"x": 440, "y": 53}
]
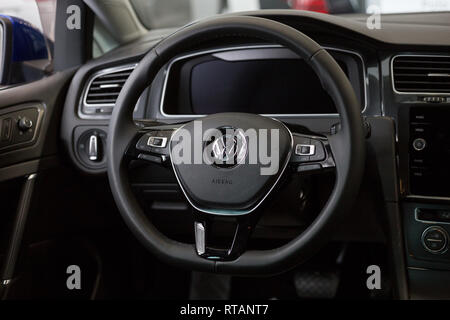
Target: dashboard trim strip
[{"x": 417, "y": 197}]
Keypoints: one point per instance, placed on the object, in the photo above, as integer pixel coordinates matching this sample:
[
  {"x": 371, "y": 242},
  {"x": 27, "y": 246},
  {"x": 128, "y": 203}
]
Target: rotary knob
[
  {"x": 435, "y": 239},
  {"x": 419, "y": 144},
  {"x": 25, "y": 124}
]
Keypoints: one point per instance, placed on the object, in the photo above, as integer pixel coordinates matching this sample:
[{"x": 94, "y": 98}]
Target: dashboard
[
  {"x": 401, "y": 81},
  {"x": 260, "y": 78}
]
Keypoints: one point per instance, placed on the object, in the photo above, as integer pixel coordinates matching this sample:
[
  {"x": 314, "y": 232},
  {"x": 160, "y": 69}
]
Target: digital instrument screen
[
  {"x": 265, "y": 87},
  {"x": 208, "y": 85}
]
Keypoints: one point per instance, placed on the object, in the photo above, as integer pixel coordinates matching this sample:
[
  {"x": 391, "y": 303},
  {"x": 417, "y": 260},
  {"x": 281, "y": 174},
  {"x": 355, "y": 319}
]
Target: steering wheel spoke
[
  {"x": 236, "y": 243},
  {"x": 311, "y": 154}
]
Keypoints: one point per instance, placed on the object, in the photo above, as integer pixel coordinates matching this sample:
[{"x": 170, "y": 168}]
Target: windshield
[{"x": 156, "y": 14}]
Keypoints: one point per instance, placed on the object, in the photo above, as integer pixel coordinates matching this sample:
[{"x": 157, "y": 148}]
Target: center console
[
  {"x": 425, "y": 183},
  {"x": 417, "y": 96}
]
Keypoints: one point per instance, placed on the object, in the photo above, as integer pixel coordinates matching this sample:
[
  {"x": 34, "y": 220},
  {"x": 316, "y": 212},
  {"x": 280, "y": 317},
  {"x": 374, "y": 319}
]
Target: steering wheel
[{"x": 236, "y": 189}]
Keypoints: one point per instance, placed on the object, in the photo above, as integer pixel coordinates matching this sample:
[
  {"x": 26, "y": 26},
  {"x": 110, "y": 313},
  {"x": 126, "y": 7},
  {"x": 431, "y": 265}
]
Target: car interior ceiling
[{"x": 89, "y": 176}]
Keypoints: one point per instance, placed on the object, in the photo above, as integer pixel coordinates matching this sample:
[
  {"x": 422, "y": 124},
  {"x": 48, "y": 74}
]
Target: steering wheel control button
[
  {"x": 309, "y": 167},
  {"x": 419, "y": 144},
  {"x": 150, "y": 158},
  {"x": 305, "y": 150},
  {"x": 435, "y": 239},
  {"x": 299, "y": 144},
  {"x": 319, "y": 154},
  {"x": 143, "y": 145},
  {"x": 157, "y": 142}
]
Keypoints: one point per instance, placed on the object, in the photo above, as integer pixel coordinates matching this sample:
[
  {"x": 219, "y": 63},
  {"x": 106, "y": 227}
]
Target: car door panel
[{"x": 47, "y": 95}]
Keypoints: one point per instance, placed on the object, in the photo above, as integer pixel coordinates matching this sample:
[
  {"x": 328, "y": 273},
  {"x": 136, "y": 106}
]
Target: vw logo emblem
[{"x": 229, "y": 149}]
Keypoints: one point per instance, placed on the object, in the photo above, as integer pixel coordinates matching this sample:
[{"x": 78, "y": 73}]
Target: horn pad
[{"x": 227, "y": 163}]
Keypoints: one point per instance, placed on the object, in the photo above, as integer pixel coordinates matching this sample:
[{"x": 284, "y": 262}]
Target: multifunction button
[
  {"x": 157, "y": 142},
  {"x": 307, "y": 150},
  {"x": 155, "y": 145}
]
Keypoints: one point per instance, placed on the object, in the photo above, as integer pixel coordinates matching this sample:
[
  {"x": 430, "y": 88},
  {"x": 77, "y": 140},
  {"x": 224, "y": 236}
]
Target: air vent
[
  {"x": 105, "y": 86},
  {"x": 421, "y": 74}
]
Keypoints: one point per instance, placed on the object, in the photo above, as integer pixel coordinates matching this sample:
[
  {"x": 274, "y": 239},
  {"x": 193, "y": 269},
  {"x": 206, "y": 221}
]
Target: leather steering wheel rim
[{"x": 347, "y": 145}]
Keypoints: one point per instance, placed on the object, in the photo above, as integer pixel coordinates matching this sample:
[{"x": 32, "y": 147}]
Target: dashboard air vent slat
[
  {"x": 105, "y": 87},
  {"x": 421, "y": 74}
]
